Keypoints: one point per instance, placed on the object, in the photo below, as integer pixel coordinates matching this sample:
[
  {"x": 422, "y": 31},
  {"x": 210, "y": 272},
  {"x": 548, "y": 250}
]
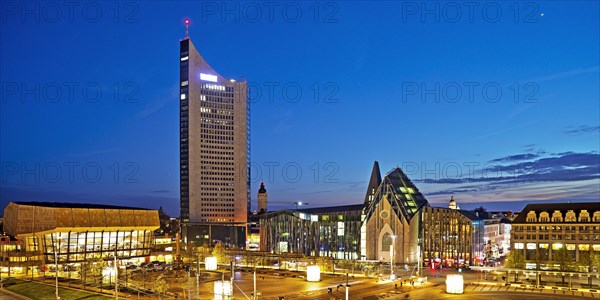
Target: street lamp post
[
  {"x": 1, "y": 256},
  {"x": 254, "y": 294},
  {"x": 392, "y": 256},
  {"x": 419, "y": 262},
  {"x": 347, "y": 285},
  {"x": 198, "y": 268},
  {"x": 188, "y": 283},
  {"x": 57, "y": 246},
  {"x": 116, "y": 275}
]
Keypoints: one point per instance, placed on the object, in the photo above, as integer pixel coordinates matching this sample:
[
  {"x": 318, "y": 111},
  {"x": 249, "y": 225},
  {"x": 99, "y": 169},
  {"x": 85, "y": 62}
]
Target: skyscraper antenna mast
[{"x": 187, "y": 27}]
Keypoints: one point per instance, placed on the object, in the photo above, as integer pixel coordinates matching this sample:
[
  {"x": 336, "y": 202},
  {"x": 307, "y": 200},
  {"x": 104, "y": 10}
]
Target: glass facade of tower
[
  {"x": 214, "y": 146},
  {"x": 448, "y": 236},
  {"x": 183, "y": 134},
  {"x": 324, "y": 231}
]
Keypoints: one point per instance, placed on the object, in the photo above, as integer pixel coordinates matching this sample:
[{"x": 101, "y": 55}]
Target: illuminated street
[{"x": 273, "y": 287}]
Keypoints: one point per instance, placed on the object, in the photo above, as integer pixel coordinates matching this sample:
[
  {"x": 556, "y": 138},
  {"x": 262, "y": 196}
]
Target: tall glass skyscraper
[{"x": 214, "y": 152}]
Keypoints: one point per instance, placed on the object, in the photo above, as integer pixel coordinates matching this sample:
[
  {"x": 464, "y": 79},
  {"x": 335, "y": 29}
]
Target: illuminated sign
[
  {"x": 223, "y": 289},
  {"x": 208, "y": 77},
  {"x": 210, "y": 263},
  {"x": 454, "y": 284},
  {"x": 313, "y": 273}
]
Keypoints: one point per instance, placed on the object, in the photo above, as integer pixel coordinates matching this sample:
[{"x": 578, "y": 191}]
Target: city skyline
[{"x": 395, "y": 87}]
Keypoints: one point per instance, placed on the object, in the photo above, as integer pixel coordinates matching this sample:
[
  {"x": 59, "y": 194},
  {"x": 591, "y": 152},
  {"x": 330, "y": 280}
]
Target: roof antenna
[{"x": 187, "y": 27}]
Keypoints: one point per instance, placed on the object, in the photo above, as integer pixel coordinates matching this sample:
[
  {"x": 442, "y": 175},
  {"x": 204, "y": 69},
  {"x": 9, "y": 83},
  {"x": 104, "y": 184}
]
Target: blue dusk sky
[{"x": 497, "y": 103}]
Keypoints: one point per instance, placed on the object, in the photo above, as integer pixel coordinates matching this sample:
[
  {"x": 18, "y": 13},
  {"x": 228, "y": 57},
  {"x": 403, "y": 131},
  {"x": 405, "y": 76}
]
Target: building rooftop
[
  {"x": 39, "y": 217},
  {"x": 403, "y": 195},
  {"x": 75, "y": 205},
  {"x": 330, "y": 209},
  {"x": 470, "y": 214},
  {"x": 591, "y": 207}
]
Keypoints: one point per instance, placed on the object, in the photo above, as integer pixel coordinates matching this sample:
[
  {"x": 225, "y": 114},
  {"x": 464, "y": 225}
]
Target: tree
[
  {"x": 480, "y": 209},
  {"x": 368, "y": 269},
  {"x": 93, "y": 267},
  {"x": 160, "y": 285},
  {"x": 219, "y": 252},
  {"x": 84, "y": 270},
  {"x": 325, "y": 263},
  {"x": 540, "y": 257},
  {"x": 202, "y": 252},
  {"x": 346, "y": 264},
  {"x": 249, "y": 260},
  {"x": 516, "y": 260},
  {"x": 588, "y": 260},
  {"x": 564, "y": 259}
]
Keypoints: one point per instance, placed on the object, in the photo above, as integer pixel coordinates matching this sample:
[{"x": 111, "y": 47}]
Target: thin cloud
[
  {"x": 563, "y": 167},
  {"x": 165, "y": 97},
  {"x": 566, "y": 74},
  {"x": 283, "y": 124},
  {"x": 516, "y": 157},
  {"x": 566, "y": 175},
  {"x": 160, "y": 191},
  {"x": 583, "y": 129}
]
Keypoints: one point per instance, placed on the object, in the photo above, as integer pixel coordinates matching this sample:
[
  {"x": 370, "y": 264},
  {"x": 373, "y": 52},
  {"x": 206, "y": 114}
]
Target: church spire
[
  {"x": 262, "y": 189},
  {"x": 373, "y": 183}
]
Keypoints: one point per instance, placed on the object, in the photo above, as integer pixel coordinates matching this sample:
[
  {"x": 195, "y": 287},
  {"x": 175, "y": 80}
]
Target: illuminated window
[
  {"x": 184, "y": 58},
  {"x": 182, "y": 97},
  {"x": 340, "y": 229},
  {"x": 519, "y": 245},
  {"x": 584, "y": 247},
  {"x": 185, "y": 83},
  {"x": 386, "y": 242},
  {"x": 531, "y": 246},
  {"x": 557, "y": 246},
  {"x": 543, "y": 246},
  {"x": 570, "y": 247}
]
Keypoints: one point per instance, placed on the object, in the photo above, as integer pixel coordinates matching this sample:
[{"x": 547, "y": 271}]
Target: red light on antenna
[{"x": 187, "y": 27}]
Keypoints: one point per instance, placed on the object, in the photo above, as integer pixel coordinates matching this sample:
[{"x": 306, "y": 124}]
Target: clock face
[{"x": 384, "y": 214}]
